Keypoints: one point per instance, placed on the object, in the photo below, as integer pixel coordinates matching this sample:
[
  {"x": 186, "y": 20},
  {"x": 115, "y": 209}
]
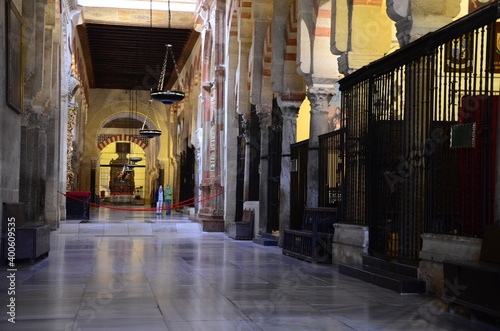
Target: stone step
[
  {"x": 383, "y": 278},
  {"x": 209, "y": 224},
  {"x": 266, "y": 239},
  {"x": 394, "y": 267}
]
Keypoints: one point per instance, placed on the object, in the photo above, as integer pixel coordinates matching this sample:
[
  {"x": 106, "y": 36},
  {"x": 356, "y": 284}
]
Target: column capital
[
  {"x": 94, "y": 163},
  {"x": 290, "y": 112},
  {"x": 263, "y": 109},
  {"x": 319, "y": 101},
  {"x": 288, "y": 100},
  {"x": 321, "y": 88},
  {"x": 264, "y": 120}
]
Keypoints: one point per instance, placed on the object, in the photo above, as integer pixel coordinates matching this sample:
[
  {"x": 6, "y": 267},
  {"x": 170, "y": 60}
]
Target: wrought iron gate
[
  {"x": 331, "y": 168},
  {"x": 421, "y": 137},
  {"x": 274, "y": 178},
  {"x": 187, "y": 170},
  {"x": 298, "y": 185}
]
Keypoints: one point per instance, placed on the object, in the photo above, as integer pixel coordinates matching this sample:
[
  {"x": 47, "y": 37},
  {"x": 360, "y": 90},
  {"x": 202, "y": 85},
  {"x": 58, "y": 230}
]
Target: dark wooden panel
[{"x": 131, "y": 57}]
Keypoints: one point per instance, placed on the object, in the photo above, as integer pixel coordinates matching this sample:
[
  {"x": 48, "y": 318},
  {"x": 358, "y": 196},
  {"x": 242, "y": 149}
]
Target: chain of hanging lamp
[
  {"x": 165, "y": 61},
  {"x": 150, "y": 133},
  {"x": 168, "y": 97}
]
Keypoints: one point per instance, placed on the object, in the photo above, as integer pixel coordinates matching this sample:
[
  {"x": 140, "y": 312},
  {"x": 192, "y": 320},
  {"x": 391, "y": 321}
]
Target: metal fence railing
[{"x": 420, "y": 137}]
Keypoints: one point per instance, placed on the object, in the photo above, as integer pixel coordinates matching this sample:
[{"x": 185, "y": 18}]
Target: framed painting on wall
[{"x": 15, "y": 58}]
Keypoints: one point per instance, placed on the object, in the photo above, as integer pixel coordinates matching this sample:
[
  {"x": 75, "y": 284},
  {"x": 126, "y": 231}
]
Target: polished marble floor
[{"x": 130, "y": 270}]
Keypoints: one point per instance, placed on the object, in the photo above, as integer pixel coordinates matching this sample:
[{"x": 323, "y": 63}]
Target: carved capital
[
  {"x": 290, "y": 112},
  {"x": 319, "y": 101},
  {"x": 290, "y": 100},
  {"x": 263, "y": 109},
  {"x": 265, "y": 120}
]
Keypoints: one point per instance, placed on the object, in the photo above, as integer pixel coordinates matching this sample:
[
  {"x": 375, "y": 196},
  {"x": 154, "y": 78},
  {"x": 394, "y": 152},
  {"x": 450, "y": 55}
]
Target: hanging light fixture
[
  {"x": 167, "y": 97},
  {"x": 149, "y": 133}
]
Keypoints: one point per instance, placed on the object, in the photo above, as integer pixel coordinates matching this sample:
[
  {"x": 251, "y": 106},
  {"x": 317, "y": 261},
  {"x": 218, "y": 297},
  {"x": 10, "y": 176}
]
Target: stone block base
[
  {"x": 350, "y": 243},
  {"x": 435, "y": 249},
  {"x": 209, "y": 224},
  {"x": 240, "y": 231}
]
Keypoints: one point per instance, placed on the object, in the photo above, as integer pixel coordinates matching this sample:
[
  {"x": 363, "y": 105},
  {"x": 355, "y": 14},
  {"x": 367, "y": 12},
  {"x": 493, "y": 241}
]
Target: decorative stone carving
[
  {"x": 400, "y": 12},
  {"x": 70, "y": 177},
  {"x": 320, "y": 100},
  {"x": 415, "y": 18},
  {"x": 265, "y": 119}
]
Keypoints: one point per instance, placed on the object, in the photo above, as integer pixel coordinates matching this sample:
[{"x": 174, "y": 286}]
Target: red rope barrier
[{"x": 175, "y": 205}]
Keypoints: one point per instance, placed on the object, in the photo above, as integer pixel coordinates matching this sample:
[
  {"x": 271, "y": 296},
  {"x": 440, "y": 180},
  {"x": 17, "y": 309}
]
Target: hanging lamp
[
  {"x": 149, "y": 133},
  {"x": 167, "y": 97}
]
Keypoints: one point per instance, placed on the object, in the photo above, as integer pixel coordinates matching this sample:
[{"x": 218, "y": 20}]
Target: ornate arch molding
[{"x": 104, "y": 140}]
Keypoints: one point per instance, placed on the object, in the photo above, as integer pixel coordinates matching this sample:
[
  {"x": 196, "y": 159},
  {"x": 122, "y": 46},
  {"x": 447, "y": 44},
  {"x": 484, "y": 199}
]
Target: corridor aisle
[{"x": 135, "y": 271}]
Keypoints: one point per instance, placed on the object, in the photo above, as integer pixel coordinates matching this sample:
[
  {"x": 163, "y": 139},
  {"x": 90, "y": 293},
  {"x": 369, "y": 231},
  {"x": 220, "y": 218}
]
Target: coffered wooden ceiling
[{"x": 126, "y": 48}]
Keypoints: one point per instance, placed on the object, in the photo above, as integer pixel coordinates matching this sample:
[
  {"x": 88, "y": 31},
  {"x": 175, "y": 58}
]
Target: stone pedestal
[
  {"x": 350, "y": 243},
  {"x": 436, "y": 248}
]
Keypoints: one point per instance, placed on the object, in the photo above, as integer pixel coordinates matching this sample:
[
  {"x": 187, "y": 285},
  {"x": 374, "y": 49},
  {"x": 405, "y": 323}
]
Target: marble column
[
  {"x": 320, "y": 99},
  {"x": 265, "y": 118},
  {"x": 289, "y": 113},
  {"x": 229, "y": 162},
  {"x": 247, "y": 137}
]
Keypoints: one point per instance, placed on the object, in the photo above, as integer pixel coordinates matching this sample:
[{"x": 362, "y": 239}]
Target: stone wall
[{"x": 10, "y": 133}]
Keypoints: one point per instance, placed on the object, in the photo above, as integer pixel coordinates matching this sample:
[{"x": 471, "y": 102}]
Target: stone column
[
  {"x": 248, "y": 138},
  {"x": 265, "y": 119},
  {"x": 319, "y": 98},
  {"x": 289, "y": 113},
  {"x": 229, "y": 165}
]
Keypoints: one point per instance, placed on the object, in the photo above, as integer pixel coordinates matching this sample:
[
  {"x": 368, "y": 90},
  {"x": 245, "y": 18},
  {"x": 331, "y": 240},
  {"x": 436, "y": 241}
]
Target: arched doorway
[{"x": 117, "y": 186}]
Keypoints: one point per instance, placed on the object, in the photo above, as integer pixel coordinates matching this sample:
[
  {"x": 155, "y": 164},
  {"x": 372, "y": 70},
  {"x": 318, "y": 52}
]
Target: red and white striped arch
[{"x": 122, "y": 137}]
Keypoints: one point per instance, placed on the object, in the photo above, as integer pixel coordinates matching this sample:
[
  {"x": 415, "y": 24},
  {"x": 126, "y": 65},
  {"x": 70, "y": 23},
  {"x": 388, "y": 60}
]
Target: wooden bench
[
  {"x": 476, "y": 284},
  {"x": 32, "y": 240},
  {"x": 313, "y": 242}
]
